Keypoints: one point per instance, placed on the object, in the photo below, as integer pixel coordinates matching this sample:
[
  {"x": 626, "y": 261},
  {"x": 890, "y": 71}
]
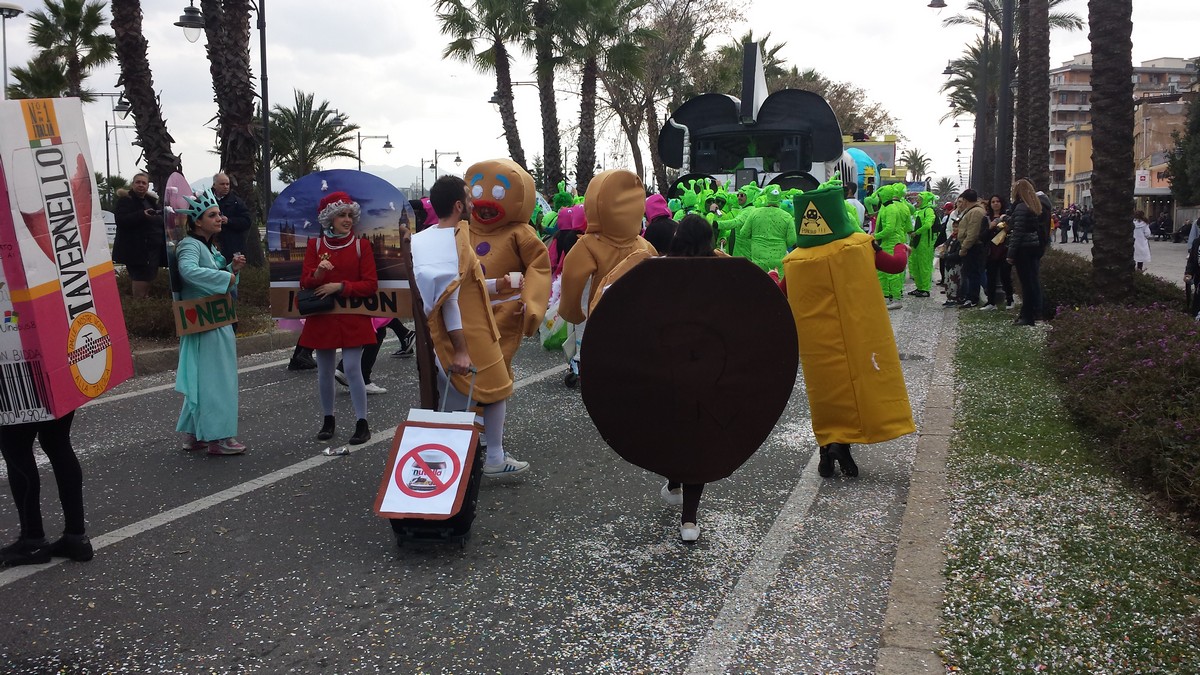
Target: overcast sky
[{"x": 378, "y": 61}]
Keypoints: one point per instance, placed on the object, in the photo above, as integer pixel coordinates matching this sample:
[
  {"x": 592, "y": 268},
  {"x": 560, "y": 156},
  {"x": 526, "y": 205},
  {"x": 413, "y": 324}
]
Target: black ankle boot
[
  {"x": 841, "y": 452},
  {"x": 302, "y": 359},
  {"x": 77, "y": 547},
  {"x": 326, "y": 431},
  {"x": 361, "y": 433},
  {"x": 825, "y": 466}
]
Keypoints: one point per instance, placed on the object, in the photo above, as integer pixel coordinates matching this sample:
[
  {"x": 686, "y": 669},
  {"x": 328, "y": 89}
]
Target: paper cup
[{"x": 514, "y": 279}]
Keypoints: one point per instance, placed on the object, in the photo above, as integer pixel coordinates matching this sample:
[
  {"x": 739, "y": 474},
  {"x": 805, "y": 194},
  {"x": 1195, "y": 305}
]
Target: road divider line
[
  {"x": 714, "y": 654},
  {"x": 217, "y": 498}
]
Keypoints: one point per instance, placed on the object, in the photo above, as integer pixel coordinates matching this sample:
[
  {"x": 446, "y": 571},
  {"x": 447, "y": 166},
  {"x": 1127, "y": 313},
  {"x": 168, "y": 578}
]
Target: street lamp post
[
  {"x": 436, "y": 154},
  {"x": 387, "y": 146},
  {"x": 108, "y": 129},
  {"x": 192, "y": 23},
  {"x": 1004, "y": 123},
  {"x": 8, "y": 10}
]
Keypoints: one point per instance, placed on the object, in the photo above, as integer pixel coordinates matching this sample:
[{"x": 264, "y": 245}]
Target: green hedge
[
  {"x": 1067, "y": 282},
  {"x": 151, "y": 317}
]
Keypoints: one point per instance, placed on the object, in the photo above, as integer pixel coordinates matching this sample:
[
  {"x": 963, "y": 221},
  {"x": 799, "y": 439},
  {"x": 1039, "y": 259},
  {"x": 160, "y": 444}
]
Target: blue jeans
[{"x": 972, "y": 271}]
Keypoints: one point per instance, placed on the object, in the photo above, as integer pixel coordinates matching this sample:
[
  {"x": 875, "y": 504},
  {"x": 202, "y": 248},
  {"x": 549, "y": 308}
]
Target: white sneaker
[
  {"x": 689, "y": 532},
  {"x": 671, "y": 497},
  {"x": 986, "y": 308},
  {"x": 341, "y": 378},
  {"x": 373, "y": 388},
  {"x": 892, "y": 304},
  {"x": 510, "y": 467}
]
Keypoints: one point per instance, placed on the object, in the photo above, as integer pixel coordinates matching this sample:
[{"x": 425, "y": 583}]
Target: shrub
[
  {"x": 1132, "y": 374},
  {"x": 1067, "y": 282},
  {"x": 151, "y": 317}
]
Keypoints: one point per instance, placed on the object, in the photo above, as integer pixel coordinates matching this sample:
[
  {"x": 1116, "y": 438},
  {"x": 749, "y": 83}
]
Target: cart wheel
[{"x": 571, "y": 380}]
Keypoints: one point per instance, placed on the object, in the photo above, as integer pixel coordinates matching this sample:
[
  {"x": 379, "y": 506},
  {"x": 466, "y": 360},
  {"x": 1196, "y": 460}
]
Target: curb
[
  {"x": 908, "y": 642},
  {"x": 162, "y": 360}
]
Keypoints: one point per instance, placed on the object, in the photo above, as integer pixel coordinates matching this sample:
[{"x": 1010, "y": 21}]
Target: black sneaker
[
  {"x": 326, "y": 431},
  {"x": 407, "y": 346},
  {"x": 77, "y": 547},
  {"x": 362, "y": 433},
  {"x": 302, "y": 361},
  {"x": 968, "y": 304},
  {"x": 25, "y": 552}
]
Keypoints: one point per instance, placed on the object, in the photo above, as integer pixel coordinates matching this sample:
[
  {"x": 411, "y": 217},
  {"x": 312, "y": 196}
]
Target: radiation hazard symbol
[{"x": 812, "y": 223}]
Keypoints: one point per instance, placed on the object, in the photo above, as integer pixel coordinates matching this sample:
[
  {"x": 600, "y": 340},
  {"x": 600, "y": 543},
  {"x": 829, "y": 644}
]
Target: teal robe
[{"x": 207, "y": 375}]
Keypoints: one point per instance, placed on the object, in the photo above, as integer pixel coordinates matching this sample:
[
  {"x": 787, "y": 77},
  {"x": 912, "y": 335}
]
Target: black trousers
[
  {"x": 16, "y": 443},
  {"x": 999, "y": 272}
]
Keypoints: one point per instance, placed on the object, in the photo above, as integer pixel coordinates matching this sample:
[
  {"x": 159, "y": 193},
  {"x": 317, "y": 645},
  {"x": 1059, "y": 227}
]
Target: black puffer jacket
[{"x": 1024, "y": 225}]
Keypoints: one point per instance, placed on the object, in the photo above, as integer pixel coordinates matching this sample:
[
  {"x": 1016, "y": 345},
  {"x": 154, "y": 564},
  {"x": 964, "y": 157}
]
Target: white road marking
[
  {"x": 714, "y": 654},
  {"x": 166, "y": 517}
]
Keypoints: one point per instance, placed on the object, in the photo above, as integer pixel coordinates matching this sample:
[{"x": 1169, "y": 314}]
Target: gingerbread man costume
[
  {"x": 614, "y": 205},
  {"x": 504, "y": 197}
]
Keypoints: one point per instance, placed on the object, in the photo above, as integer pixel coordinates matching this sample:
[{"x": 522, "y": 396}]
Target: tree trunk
[
  {"x": 585, "y": 162},
  {"x": 1111, "y": 23},
  {"x": 1022, "y": 126},
  {"x": 1039, "y": 94},
  {"x": 227, "y": 30},
  {"x": 508, "y": 114},
  {"x": 652, "y": 129},
  {"x": 138, "y": 81},
  {"x": 544, "y": 56}
]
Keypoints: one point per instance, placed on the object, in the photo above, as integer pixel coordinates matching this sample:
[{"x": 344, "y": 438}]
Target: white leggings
[
  {"x": 493, "y": 417},
  {"x": 352, "y": 367}
]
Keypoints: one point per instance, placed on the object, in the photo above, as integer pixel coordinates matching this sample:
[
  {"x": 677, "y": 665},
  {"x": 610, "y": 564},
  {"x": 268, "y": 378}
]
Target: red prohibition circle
[{"x": 415, "y": 456}]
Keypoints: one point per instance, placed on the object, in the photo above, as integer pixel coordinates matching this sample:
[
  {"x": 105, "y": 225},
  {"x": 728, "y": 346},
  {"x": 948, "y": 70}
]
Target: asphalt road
[{"x": 273, "y": 562}]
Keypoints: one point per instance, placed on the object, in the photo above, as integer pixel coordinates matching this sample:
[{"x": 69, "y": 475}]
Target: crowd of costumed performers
[{"x": 809, "y": 247}]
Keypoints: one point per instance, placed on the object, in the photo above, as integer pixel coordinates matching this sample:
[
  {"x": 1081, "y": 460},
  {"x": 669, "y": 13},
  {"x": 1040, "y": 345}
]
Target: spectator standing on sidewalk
[
  {"x": 237, "y": 217},
  {"x": 999, "y": 272},
  {"x": 1026, "y": 245},
  {"x": 971, "y": 230},
  {"x": 141, "y": 240},
  {"x": 1141, "y": 240}
]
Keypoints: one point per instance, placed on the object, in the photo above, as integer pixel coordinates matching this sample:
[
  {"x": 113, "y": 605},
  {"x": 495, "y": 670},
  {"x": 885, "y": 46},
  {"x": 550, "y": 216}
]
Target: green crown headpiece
[{"x": 203, "y": 201}]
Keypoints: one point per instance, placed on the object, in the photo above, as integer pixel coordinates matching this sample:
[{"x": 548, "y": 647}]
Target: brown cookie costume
[
  {"x": 614, "y": 205},
  {"x": 504, "y": 197},
  {"x": 493, "y": 382}
]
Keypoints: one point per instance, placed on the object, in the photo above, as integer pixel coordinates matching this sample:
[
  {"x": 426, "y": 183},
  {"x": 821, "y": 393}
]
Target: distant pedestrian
[
  {"x": 141, "y": 239},
  {"x": 1141, "y": 240},
  {"x": 1026, "y": 244}
]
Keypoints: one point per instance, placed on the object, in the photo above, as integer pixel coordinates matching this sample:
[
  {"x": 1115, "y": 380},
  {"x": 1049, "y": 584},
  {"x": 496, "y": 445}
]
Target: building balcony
[
  {"x": 1058, "y": 186},
  {"x": 1058, "y": 167},
  {"x": 1058, "y": 147},
  {"x": 1070, "y": 107},
  {"x": 1071, "y": 86}
]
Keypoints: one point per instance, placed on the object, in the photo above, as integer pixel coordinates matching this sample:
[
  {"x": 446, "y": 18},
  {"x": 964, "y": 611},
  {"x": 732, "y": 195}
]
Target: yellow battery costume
[{"x": 848, "y": 352}]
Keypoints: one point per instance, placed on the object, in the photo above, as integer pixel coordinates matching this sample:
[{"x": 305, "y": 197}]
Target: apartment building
[{"x": 1071, "y": 109}]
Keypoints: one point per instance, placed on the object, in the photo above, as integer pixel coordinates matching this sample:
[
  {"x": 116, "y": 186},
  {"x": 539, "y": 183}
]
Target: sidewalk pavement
[{"x": 1167, "y": 259}]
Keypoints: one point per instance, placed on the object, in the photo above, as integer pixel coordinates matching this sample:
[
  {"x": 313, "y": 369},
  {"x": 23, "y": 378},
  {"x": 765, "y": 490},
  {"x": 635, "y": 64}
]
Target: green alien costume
[
  {"x": 892, "y": 227},
  {"x": 920, "y": 260},
  {"x": 769, "y": 232}
]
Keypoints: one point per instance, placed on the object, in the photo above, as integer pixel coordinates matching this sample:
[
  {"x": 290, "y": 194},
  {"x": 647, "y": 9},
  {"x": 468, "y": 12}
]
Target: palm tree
[
  {"x": 917, "y": 163},
  {"x": 946, "y": 189},
  {"x": 604, "y": 38},
  {"x": 68, "y": 33},
  {"x": 1111, "y": 23},
  {"x": 963, "y": 91},
  {"x": 131, "y": 50},
  {"x": 1036, "y": 40},
  {"x": 42, "y": 77},
  {"x": 492, "y": 24},
  {"x": 305, "y": 135},
  {"x": 976, "y": 9},
  {"x": 227, "y": 33},
  {"x": 1023, "y": 110},
  {"x": 542, "y": 41}
]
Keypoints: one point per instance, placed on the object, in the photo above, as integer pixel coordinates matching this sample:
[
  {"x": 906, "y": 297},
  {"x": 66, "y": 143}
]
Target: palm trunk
[
  {"x": 227, "y": 30},
  {"x": 1039, "y": 94},
  {"x": 1024, "y": 105},
  {"x": 508, "y": 114},
  {"x": 138, "y": 80},
  {"x": 1111, "y": 23},
  {"x": 652, "y": 130},
  {"x": 585, "y": 162},
  {"x": 544, "y": 56}
]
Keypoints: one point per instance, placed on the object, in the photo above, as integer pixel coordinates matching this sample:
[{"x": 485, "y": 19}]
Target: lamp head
[{"x": 191, "y": 21}]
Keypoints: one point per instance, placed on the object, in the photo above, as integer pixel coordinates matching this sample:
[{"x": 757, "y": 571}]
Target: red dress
[{"x": 353, "y": 265}]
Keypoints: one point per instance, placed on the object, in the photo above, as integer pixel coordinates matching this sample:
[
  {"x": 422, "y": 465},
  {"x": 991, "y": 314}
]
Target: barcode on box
[{"x": 23, "y": 393}]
